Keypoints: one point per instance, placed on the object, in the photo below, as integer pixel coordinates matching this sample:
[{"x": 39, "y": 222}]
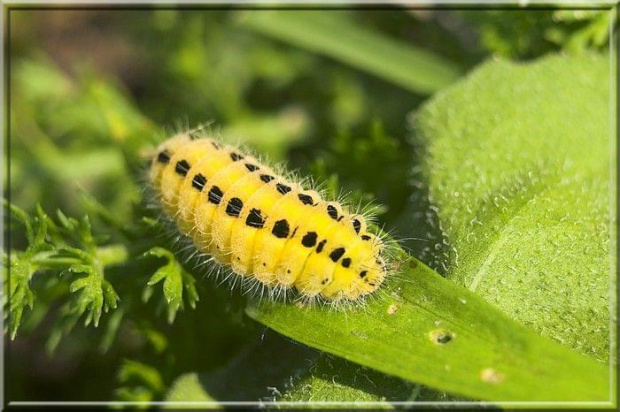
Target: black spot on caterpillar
[
  {"x": 357, "y": 225},
  {"x": 199, "y": 181},
  {"x": 309, "y": 239},
  {"x": 182, "y": 167},
  {"x": 236, "y": 156},
  {"x": 283, "y": 189},
  {"x": 234, "y": 207},
  {"x": 281, "y": 229},
  {"x": 305, "y": 199},
  {"x": 215, "y": 195},
  {"x": 336, "y": 254},
  {"x": 163, "y": 157},
  {"x": 332, "y": 212},
  {"x": 251, "y": 167},
  {"x": 255, "y": 219}
]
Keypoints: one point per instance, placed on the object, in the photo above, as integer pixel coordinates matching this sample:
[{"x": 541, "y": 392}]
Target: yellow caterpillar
[{"x": 262, "y": 226}]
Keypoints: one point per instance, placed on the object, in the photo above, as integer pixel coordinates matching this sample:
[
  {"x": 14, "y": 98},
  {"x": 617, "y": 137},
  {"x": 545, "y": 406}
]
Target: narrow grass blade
[{"x": 334, "y": 34}]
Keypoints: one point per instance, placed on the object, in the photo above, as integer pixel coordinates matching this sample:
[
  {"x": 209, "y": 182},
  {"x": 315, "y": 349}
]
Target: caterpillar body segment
[
  {"x": 245, "y": 229},
  {"x": 192, "y": 188},
  {"x": 261, "y": 225},
  {"x": 173, "y": 177},
  {"x": 270, "y": 243}
]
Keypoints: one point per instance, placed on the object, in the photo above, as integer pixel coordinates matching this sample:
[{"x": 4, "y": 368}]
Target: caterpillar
[{"x": 262, "y": 226}]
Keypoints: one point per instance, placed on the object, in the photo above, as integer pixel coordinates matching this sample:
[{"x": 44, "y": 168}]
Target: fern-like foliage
[
  {"x": 65, "y": 247},
  {"x": 93, "y": 292},
  {"x": 176, "y": 279},
  {"x": 19, "y": 289},
  {"x": 22, "y": 266}
]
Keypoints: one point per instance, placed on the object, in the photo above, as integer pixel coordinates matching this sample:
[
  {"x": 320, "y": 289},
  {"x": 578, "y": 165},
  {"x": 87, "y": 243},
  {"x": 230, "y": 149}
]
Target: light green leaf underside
[
  {"x": 336, "y": 382},
  {"x": 334, "y": 34},
  {"x": 518, "y": 162}
]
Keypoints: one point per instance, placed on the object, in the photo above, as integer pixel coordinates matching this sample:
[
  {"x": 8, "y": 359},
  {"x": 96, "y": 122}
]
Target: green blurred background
[{"x": 328, "y": 92}]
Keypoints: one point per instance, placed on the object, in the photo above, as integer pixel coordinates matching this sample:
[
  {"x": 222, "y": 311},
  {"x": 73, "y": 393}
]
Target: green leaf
[
  {"x": 332, "y": 379},
  {"x": 133, "y": 371},
  {"x": 19, "y": 267},
  {"x": 95, "y": 293},
  {"x": 426, "y": 329},
  {"x": 21, "y": 216},
  {"x": 334, "y": 34},
  {"x": 595, "y": 32},
  {"x": 528, "y": 34},
  {"x": 188, "y": 388},
  {"x": 176, "y": 279},
  {"x": 139, "y": 382},
  {"x": 19, "y": 295},
  {"x": 36, "y": 227},
  {"x": 518, "y": 163},
  {"x": 67, "y": 247}
]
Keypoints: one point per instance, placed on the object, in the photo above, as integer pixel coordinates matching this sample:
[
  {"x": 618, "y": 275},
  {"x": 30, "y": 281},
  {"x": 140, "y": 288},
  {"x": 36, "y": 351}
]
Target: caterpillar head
[
  {"x": 370, "y": 270},
  {"x": 371, "y": 274}
]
